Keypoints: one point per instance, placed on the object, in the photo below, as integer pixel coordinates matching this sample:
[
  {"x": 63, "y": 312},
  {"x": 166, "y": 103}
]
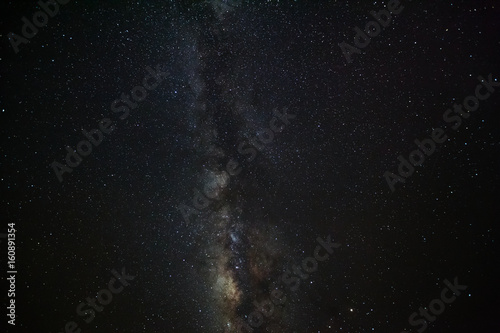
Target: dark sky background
[{"x": 230, "y": 64}]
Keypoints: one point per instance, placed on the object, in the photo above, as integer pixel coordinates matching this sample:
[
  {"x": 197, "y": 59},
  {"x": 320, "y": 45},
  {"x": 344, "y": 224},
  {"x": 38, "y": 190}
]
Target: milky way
[
  {"x": 245, "y": 192},
  {"x": 238, "y": 260}
]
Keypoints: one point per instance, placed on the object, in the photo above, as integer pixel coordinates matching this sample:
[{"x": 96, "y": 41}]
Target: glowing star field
[{"x": 235, "y": 166}]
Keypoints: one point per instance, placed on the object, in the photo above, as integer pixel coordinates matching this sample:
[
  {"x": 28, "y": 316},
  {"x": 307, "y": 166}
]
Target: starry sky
[{"x": 258, "y": 146}]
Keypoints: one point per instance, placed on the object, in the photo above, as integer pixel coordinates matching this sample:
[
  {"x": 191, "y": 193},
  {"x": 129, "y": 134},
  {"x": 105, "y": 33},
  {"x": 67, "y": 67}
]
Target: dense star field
[{"x": 227, "y": 166}]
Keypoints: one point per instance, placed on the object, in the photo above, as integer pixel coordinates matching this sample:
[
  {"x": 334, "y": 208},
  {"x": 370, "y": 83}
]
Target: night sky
[{"x": 227, "y": 166}]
